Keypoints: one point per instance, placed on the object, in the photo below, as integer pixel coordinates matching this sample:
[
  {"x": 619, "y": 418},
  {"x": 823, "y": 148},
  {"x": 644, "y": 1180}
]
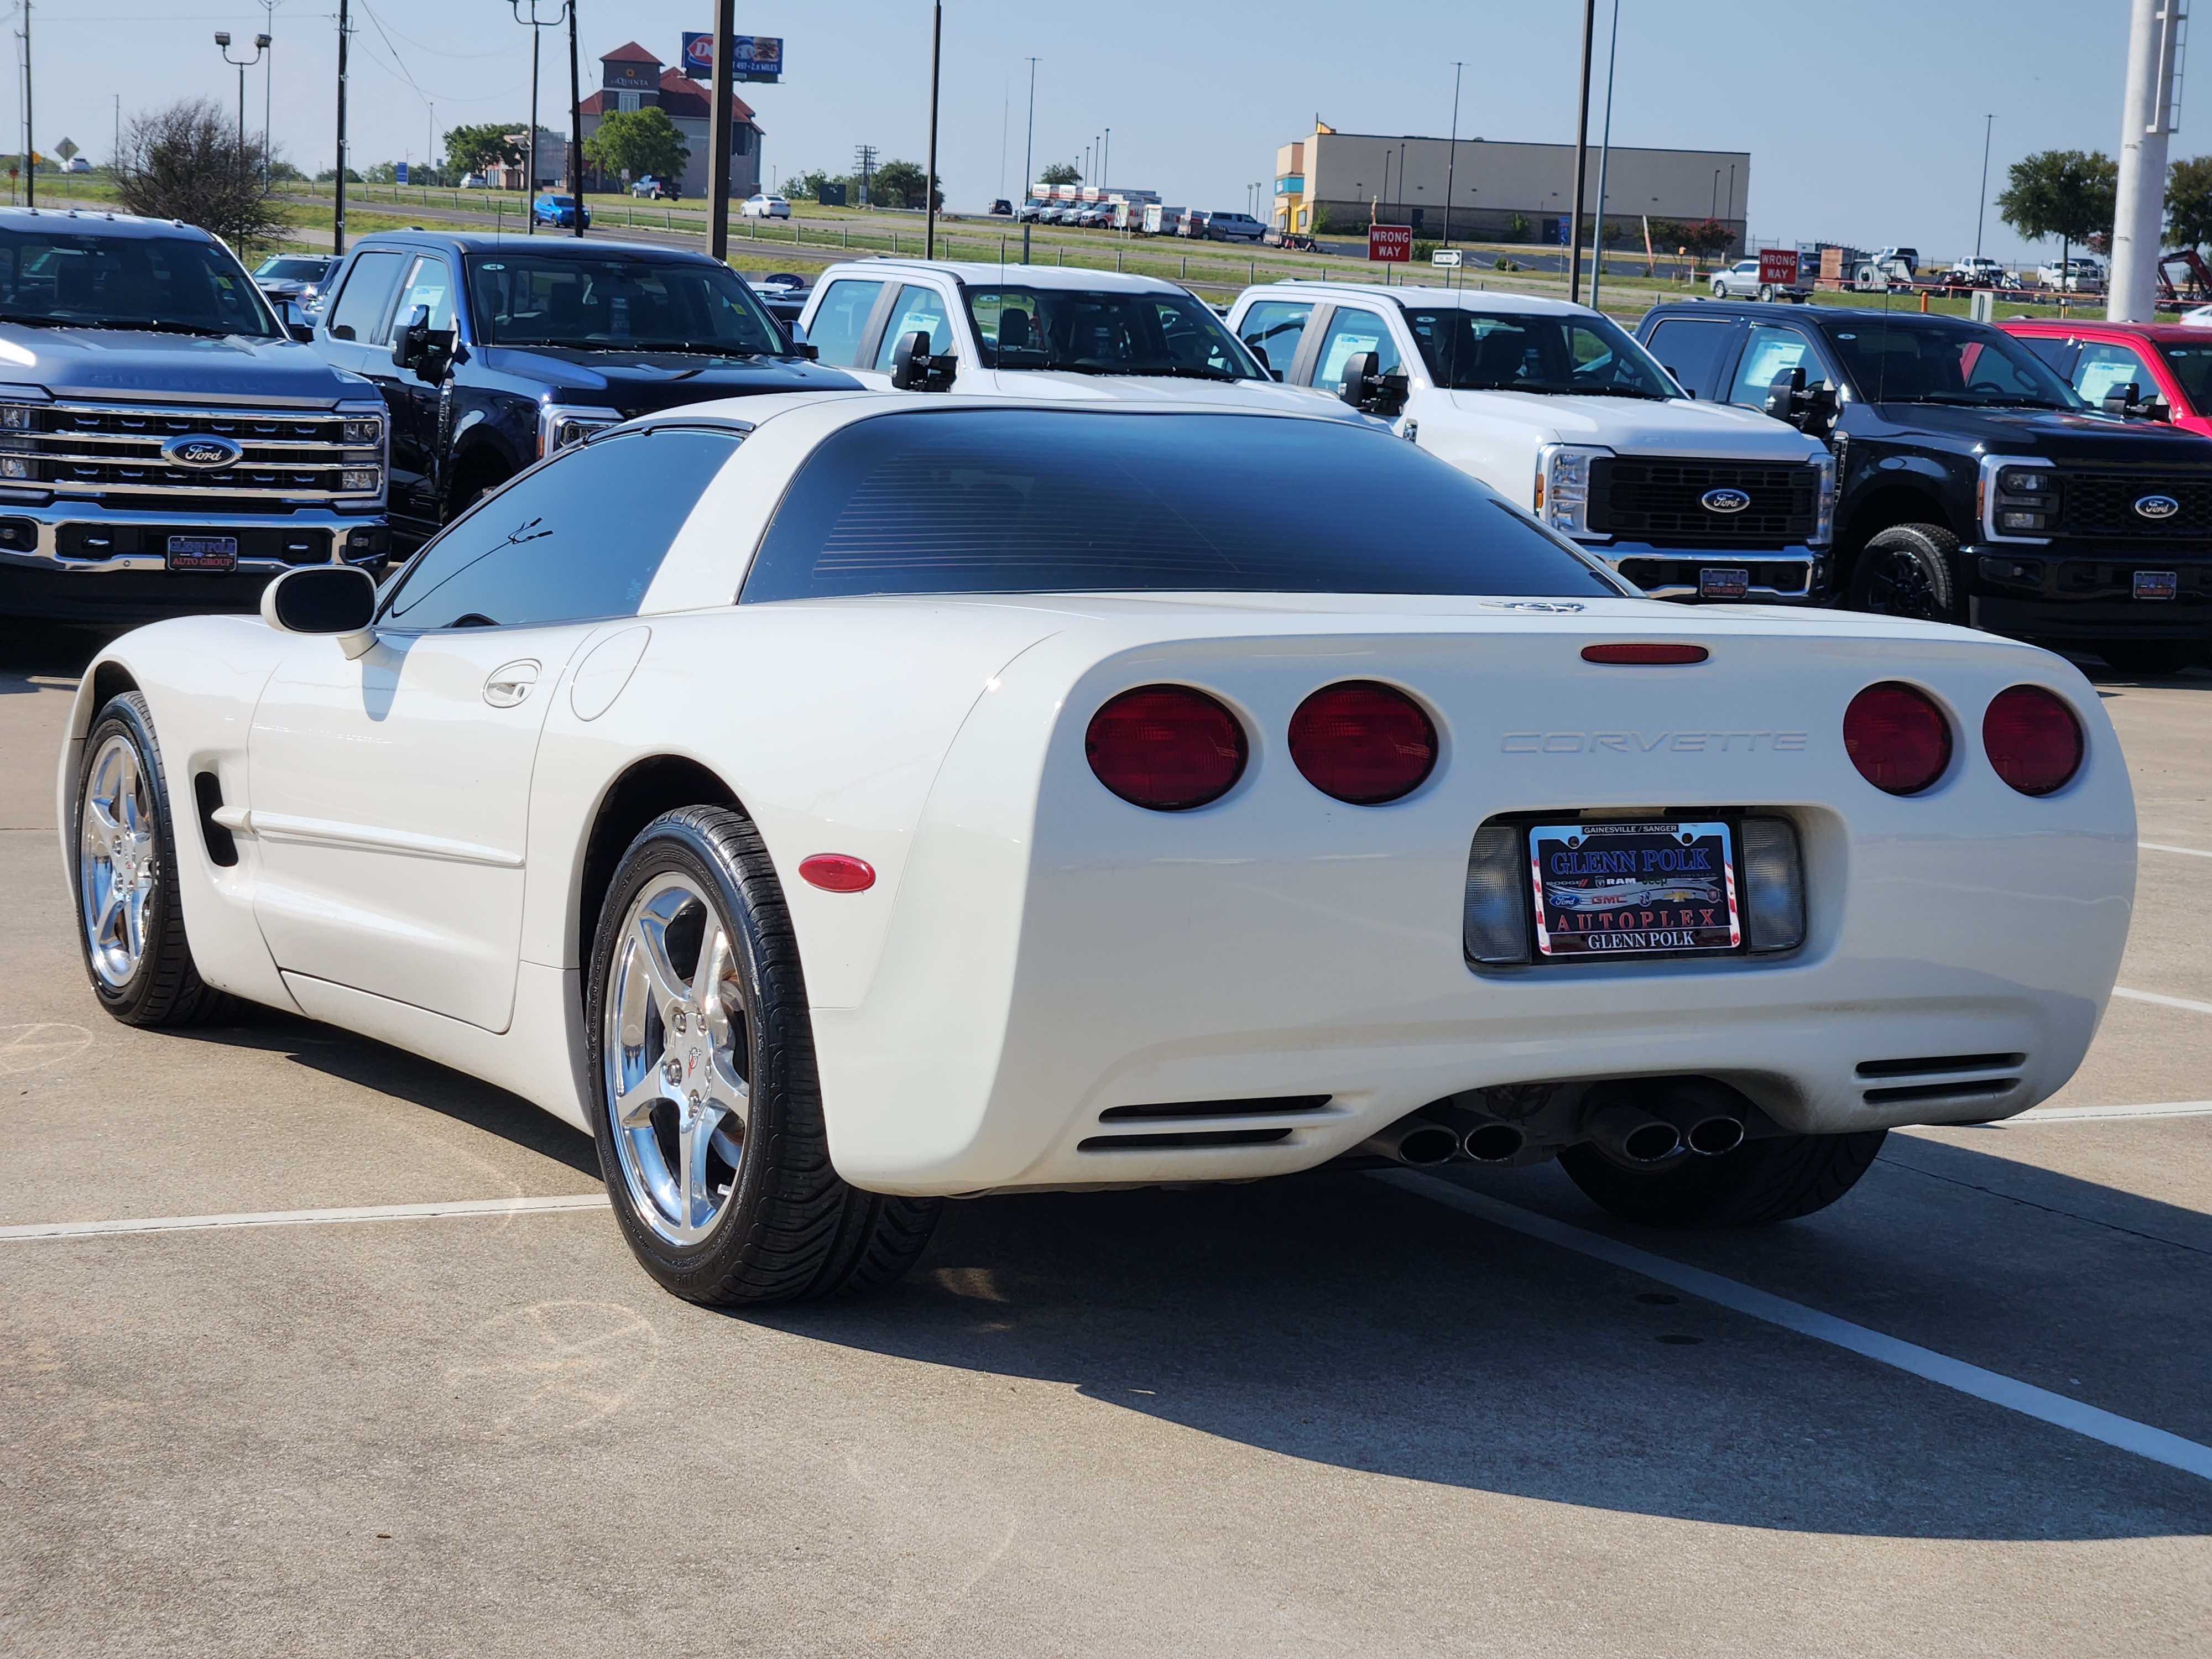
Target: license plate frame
[
  {"x": 203, "y": 555},
  {"x": 2156, "y": 584},
  {"x": 1588, "y": 879}
]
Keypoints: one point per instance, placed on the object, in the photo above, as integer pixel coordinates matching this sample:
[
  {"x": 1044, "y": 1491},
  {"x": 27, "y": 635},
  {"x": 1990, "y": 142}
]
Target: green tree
[
  {"x": 185, "y": 162},
  {"x": 1060, "y": 173},
  {"x": 478, "y": 149},
  {"x": 2189, "y": 202},
  {"x": 2064, "y": 193},
  {"x": 900, "y": 185},
  {"x": 640, "y": 142}
]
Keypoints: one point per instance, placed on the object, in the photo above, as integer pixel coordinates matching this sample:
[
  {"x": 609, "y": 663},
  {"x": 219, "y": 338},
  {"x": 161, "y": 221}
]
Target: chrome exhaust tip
[
  {"x": 1634, "y": 1137},
  {"x": 1709, "y": 1137},
  {"x": 1493, "y": 1143},
  {"x": 1420, "y": 1142}
]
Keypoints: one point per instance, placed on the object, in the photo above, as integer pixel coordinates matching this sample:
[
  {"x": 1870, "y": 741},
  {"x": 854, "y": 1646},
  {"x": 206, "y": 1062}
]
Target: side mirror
[
  {"x": 411, "y": 340},
  {"x": 1372, "y": 392},
  {"x": 303, "y": 332},
  {"x": 913, "y": 369},
  {"x": 1810, "y": 412},
  {"x": 2127, "y": 403},
  {"x": 800, "y": 348},
  {"x": 324, "y": 599}
]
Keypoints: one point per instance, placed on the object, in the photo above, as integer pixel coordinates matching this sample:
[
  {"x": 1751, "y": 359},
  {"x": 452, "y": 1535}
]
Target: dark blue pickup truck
[
  {"x": 165, "y": 445},
  {"x": 493, "y": 351}
]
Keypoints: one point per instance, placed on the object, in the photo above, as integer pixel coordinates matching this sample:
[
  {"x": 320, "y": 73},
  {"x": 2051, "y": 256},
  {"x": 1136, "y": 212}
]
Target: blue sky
[{"x": 1864, "y": 121}]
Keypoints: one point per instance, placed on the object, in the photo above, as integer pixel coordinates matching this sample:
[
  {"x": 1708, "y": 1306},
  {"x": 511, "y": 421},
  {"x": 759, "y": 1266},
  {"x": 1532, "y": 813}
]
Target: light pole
[
  {"x": 268, "y": 85},
  {"x": 538, "y": 25},
  {"x": 929, "y": 183},
  {"x": 1982, "y": 207},
  {"x": 1604, "y": 155},
  {"x": 241, "y": 65},
  {"x": 1029, "y": 159},
  {"x": 1451, "y": 160},
  {"x": 1105, "y": 156},
  {"x": 1582, "y": 160}
]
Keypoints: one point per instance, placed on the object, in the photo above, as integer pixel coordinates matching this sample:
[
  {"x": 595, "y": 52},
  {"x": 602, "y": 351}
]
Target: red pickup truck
[{"x": 2167, "y": 364}]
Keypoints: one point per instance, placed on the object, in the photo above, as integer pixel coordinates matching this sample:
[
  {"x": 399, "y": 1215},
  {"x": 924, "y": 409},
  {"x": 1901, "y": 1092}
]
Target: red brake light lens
[
  {"x": 1645, "y": 653},
  {"x": 1362, "y": 743},
  {"x": 1898, "y": 737},
  {"x": 1166, "y": 747},
  {"x": 2033, "y": 739}
]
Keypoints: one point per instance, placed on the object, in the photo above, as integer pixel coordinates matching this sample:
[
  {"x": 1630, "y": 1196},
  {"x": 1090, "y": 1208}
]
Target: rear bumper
[
  {"x": 1783, "y": 576},
  {"x": 2042, "y": 592}
]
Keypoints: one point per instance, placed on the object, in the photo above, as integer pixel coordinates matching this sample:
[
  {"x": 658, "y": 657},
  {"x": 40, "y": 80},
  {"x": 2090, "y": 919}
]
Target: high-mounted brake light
[
  {"x": 2033, "y": 739},
  {"x": 1648, "y": 652},
  {"x": 1364, "y": 743},
  {"x": 1898, "y": 737},
  {"x": 1166, "y": 747}
]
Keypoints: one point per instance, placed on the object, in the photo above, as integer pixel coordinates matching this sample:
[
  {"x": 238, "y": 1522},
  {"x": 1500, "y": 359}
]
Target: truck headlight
[
  {"x": 367, "y": 431},
  {"x": 560, "y": 425},
  {"x": 359, "y": 480},
  {"x": 1562, "y": 486},
  {"x": 2027, "y": 498}
]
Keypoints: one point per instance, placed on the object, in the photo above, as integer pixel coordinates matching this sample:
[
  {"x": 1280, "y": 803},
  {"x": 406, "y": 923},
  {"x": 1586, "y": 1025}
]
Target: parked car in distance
[
  {"x": 1975, "y": 271},
  {"x": 1557, "y": 409},
  {"x": 1738, "y": 281},
  {"x": 1233, "y": 228},
  {"x": 475, "y": 181},
  {"x": 294, "y": 280},
  {"x": 1977, "y": 486},
  {"x": 2149, "y": 371},
  {"x": 166, "y": 443},
  {"x": 1031, "y": 211},
  {"x": 1001, "y": 208},
  {"x": 78, "y": 164},
  {"x": 1094, "y": 216},
  {"x": 492, "y": 352},
  {"x": 659, "y": 189},
  {"x": 832, "y": 804},
  {"x": 764, "y": 207},
  {"x": 782, "y": 294},
  {"x": 559, "y": 211},
  {"x": 2081, "y": 275}
]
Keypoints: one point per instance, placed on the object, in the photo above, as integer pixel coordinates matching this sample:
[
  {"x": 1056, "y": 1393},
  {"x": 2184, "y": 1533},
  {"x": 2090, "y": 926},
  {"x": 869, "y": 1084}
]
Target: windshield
[
  {"x": 166, "y": 284},
  {"x": 1962, "y": 363},
  {"x": 611, "y": 303},
  {"x": 1026, "y": 500},
  {"x": 290, "y": 268},
  {"x": 1532, "y": 351},
  {"x": 2192, "y": 368},
  {"x": 1109, "y": 333}
]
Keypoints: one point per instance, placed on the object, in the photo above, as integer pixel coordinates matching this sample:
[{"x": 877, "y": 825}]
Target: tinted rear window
[{"x": 1047, "y": 501}]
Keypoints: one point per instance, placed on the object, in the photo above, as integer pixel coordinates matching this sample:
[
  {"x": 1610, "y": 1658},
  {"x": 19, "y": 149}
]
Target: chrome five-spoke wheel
[
  {"x": 677, "y": 1056},
  {"x": 116, "y": 860}
]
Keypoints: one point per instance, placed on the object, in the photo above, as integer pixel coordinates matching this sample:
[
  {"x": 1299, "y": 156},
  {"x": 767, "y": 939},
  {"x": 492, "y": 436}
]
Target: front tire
[
  {"x": 706, "y": 1105},
  {"x": 1766, "y": 293},
  {"x": 130, "y": 921},
  {"x": 1761, "y": 1181},
  {"x": 1905, "y": 571},
  {"x": 1720, "y": 288}
]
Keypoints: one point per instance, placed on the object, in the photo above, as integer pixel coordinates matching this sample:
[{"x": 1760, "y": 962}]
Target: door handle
[{"x": 510, "y": 684}]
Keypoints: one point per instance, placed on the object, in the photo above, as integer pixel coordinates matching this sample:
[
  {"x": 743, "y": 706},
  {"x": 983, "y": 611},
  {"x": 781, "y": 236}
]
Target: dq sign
[
  {"x": 1391, "y": 243},
  {"x": 752, "y": 57}
]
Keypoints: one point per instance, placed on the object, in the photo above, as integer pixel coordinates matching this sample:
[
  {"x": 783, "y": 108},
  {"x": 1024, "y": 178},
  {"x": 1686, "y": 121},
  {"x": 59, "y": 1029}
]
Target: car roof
[
  {"x": 835, "y": 408},
  {"x": 1758, "y": 310},
  {"x": 993, "y": 274},
  {"x": 107, "y": 224},
  {"x": 2069, "y": 328},
  {"x": 558, "y": 247},
  {"x": 1465, "y": 299}
]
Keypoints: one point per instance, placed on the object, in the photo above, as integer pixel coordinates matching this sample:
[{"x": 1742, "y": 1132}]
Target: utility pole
[
  {"x": 575, "y": 168},
  {"x": 929, "y": 185},
  {"x": 1106, "y": 162},
  {"x": 268, "y": 86},
  {"x": 1982, "y": 207},
  {"x": 1029, "y": 159},
  {"x": 337, "y": 216},
  {"x": 1451, "y": 156},
  {"x": 2147, "y": 116},
  {"x": 718, "y": 131},
  {"x": 1581, "y": 160},
  {"x": 30, "y": 166},
  {"x": 1604, "y": 154}
]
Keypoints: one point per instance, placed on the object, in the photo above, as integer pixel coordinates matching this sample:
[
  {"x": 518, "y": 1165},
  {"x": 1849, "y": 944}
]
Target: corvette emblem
[
  {"x": 202, "y": 451},
  {"x": 1725, "y": 500},
  {"x": 2157, "y": 506}
]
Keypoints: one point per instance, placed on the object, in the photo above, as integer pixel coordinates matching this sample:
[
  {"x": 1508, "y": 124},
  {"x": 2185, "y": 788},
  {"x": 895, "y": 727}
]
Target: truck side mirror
[
  {"x": 914, "y": 369},
  {"x": 1810, "y": 412},
  {"x": 324, "y": 599},
  {"x": 411, "y": 339},
  {"x": 1369, "y": 392},
  {"x": 2127, "y": 403}
]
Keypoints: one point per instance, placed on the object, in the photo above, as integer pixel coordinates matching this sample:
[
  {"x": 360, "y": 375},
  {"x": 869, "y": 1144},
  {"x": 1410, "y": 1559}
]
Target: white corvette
[{"x": 839, "y": 803}]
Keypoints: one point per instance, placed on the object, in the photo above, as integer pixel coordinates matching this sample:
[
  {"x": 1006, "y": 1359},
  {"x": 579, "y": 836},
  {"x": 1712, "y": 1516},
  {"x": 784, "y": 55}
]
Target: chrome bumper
[
  {"x": 1776, "y": 575},
  {"x": 77, "y": 538}
]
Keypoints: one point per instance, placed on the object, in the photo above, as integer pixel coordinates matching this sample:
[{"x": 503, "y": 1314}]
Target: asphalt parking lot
[{"x": 1340, "y": 1414}]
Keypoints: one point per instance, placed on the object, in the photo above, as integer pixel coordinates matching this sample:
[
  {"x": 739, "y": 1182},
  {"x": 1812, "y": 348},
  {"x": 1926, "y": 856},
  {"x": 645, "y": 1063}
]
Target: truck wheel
[
  {"x": 1766, "y": 292},
  {"x": 705, "y": 1102},
  {"x": 2149, "y": 659},
  {"x": 1760, "y": 1182},
  {"x": 1905, "y": 571},
  {"x": 1720, "y": 288}
]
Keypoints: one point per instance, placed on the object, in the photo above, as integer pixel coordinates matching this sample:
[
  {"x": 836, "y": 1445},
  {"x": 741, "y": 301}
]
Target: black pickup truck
[
  {"x": 1973, "y": 484},
  {"x": 165, "y": 444},
  {"x": 493, "y": 351}
]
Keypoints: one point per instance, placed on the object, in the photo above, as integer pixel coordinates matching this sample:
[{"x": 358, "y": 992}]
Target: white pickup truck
[
  {"x": 1555, "y": 407},
  {"x": 1031, "y": 331}
]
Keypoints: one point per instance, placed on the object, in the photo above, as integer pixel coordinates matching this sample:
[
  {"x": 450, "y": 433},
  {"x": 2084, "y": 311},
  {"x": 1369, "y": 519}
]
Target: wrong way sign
[{"x": 1391, "y": 243}]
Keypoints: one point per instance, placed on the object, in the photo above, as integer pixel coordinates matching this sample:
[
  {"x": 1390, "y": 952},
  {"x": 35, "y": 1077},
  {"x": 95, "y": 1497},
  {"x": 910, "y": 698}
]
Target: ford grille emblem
[
  {"x": 202, "y": 451},
  {"x": 2157, "y": 506},
  {"x": 1725, "y": 501}
]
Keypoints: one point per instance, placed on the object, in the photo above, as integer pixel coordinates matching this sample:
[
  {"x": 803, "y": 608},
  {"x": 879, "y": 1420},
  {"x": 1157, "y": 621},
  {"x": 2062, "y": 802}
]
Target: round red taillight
[
  {"x": 2033, "y": 739},
  {"x": 1898, "y": 737},
  {"x": 1166, "y": 747},
  {"x": 1362, "y": 743}
]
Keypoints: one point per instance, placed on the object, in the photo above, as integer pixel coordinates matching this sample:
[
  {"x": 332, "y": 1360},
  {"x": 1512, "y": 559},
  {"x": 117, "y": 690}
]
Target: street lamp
[
  {"x": 241, "y": 65},
  {"x": 537, "y": 26}
]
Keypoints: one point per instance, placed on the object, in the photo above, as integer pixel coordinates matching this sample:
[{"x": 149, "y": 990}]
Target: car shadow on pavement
[
  {"x": 1330, "y": 1318},
  {"x": 48, "y": 649}
]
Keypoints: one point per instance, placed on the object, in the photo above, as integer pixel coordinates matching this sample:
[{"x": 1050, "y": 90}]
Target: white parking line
[
  {"x": 2098, "y": 1114},
  {"x": 1997, "y": 1389},
  {"x": 185, "y": 1224},
  {"x": 2161, "y": 846},
  {"x": 2163, "y": 1002}
]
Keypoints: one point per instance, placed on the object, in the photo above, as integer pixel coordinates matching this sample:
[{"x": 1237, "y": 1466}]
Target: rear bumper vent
[
  {"x": 1986, "y": 1089},
  {"x": 1181, "y": 1138},
  {"x": 1953, "y": 1075},
  {"x": 1197, "y": 1112},
  {"x": 1940, "y": 1064},
  {"x": 1265, "y": 1106}
]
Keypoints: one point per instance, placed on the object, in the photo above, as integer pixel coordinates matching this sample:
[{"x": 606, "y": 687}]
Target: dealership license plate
[
  {"x": 1633, "y": 890},
  {"x": 1723, "y": 582},
  {"x": 2157, "y": 584},
  {"x": 203, "y": 552}
]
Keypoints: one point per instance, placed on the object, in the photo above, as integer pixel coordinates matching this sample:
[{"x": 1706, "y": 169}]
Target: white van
[
  {"x": 1557, "y": 408},
  {"x": 1030, "y": 331}
]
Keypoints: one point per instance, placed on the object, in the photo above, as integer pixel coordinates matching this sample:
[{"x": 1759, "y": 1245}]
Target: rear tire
[
  {"x": 1761, "y": 1181},
  {"x": 2149, "y": 659},
  {"x": 705, "y": 1102},
  {"x": 1905, "y": 571}
]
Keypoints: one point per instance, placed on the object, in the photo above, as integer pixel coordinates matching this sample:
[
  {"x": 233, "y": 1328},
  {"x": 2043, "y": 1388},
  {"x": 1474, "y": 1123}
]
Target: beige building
[
  {"x": 1499, "y": 191},
  {"x": 632, "y": 78}
]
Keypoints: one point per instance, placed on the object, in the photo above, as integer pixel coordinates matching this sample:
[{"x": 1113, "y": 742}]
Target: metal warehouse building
[{"x": 1499, "y": 191}]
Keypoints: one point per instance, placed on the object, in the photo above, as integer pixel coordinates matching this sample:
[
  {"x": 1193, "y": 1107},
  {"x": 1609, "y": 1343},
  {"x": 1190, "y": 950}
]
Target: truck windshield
[
  {"x": 291, "y": 268},
  {"x": 610, "y": 303},
  {"x": 1106, "y": 333},
  {"x": 1962, "y": 363},
  {"x": 1575, "y": 353},
  {"x": 163, "y": 284},
  {"x": 2193, "y": 368}
]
